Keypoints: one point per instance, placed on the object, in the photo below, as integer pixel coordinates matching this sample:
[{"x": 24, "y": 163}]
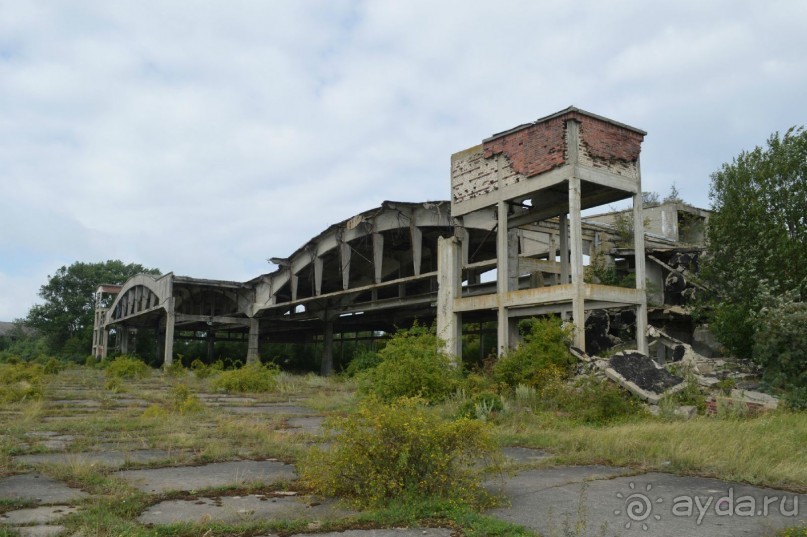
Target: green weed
[{"x": 385, "y": 452}]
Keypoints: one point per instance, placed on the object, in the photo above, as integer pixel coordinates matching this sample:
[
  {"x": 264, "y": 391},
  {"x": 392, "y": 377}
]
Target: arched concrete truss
[{"x": 517, "y": 202}]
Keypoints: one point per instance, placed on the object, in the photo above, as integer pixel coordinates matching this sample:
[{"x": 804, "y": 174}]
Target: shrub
[
  {"x": 183, "y": 401},
  {"x": 384, "y": 452},
  {"x": 545, "y": 346},
  {"x": 250, "y": 378},
  {"x": 20, "y": 381},
  {"x": 127, "y": 367},
  {"x": 780, "y": 341},
  {"x": 796, "y": 398},
  {"x": 482, "y": 406},
  {"x": 362, "y": 361},
  {"x": 590, "y": 400},
  {"x": 175, "y": 369},
  {"x": 412, "y": 365}
]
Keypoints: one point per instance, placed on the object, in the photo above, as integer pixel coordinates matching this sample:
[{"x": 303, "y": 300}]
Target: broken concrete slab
[
  {"x": 220, "y": 474},
  {"x": 305, "y": 424},
  {"x": 642, "y": 376},
  {"x": 112, "y": 458},
  {"x": 647, "y": 504},
  {"x": 391, "y": 532},
  {"x": 269, "y": 409},
  {"x": 37, "y": 515},
  {"x": 760, "y": 399},
  {"x": 39, "y": 531},
  {"x": 239, "y": 509},
  {"x": 39, "y": 488}
]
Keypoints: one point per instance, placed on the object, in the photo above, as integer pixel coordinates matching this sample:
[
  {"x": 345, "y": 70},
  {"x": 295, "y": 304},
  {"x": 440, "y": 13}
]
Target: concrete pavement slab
[
  {"x": 239, "y": 509},
  {"x": 220, "y": 474},
  {"x": 38, "y": 487},
  {"x": 548, "y": 500}
]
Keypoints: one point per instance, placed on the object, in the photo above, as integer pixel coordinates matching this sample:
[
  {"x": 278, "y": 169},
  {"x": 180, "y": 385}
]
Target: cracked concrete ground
[{"x": 597, "y": 499}]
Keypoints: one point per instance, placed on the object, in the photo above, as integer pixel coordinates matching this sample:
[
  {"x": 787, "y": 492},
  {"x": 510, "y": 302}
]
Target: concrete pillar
[
  {"x": 449, "y": 282},
  {"x": 123, "y": 339},
  {"x": 564, "y": 248},
  {"x": 253, "y": 346},
  {"x": 317, "y": 275},
  {"x": 211, "y": 346},
  {"x": 417, "y": 248},
  {"x": 502, "y": 277},
  {"x": 378, "y": 257},
  {"x": 170, "y": 319},
  {"x": 641, "y": 282},
  {"x": 293, "y": 281},
  {"x": 104, "y": 343},
  {"x": 576, "y": 264},
  {"x": 327, "y": 350},
  {"x": 576, "y": 232},
  {"x": 344, "y": 260}
]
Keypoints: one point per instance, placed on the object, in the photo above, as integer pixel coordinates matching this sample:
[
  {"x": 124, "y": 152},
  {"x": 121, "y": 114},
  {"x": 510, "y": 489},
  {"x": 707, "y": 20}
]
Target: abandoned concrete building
[{"x": 511, "y": 243}]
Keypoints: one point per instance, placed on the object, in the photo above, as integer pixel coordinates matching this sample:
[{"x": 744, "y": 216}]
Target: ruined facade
[{"x": 509, "y": 244}]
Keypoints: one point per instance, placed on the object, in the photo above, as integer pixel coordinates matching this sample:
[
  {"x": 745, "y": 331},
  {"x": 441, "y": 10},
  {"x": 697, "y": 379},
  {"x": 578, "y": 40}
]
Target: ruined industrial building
[{"x": 511, "y": 243}]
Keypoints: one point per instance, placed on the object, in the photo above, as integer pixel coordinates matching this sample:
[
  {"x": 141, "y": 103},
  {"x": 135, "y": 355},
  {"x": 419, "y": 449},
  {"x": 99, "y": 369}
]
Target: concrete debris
[
  {"x": 642, "y": 376},
  {"x": 767, "y": 402}
]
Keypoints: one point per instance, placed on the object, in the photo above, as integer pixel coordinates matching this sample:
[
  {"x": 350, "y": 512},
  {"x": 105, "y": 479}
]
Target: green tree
[
  {"x": 757, "y": 236},
  {"x": 66, "y": 317}
]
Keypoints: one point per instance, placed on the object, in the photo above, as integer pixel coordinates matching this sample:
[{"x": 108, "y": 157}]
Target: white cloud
[{"x": 205, "y": 140}]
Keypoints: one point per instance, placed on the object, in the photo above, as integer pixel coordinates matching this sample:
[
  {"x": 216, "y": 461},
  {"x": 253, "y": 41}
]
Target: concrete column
[
  {"x": 449, "y": 281},
  {"x": 293, "y": 281},
  {"x": 512, "y": 260},
  {"x": 170, "y": 319},
  {"x": 211, "y": 346},
  {"x": 344, "y": 260},
  {"x": 576, "y": 262},
  {"x": 327, "y": 350},
  {"x": 417, "y": 247},
  {"x": 104, "y": 343},
  {"x": 253, "y": 346},
  {"x": 378, "y": 257},
  {"x": 317, "y": 275},
  {"x": 563, "y": 222},
  {"x": 123, "y": 339},
  {"x": 502, "y": 277},
  {"x": 641, "y": 282}
]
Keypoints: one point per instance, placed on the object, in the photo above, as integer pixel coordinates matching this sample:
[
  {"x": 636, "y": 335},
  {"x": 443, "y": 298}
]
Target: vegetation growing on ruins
[
  {"x": 761, "y": 254},
  {"x": 65, "y": 319}
]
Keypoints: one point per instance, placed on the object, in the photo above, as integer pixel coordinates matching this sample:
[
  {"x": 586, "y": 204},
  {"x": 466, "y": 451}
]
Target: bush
[
  {"x": 384, "y": 452},
  {"x": 412, "y": 365},
  {"x": 20, "y": 381},
  {"x": 362, "y": 361},
  {"x": 780, "y": 342},
  {"x": 482, "y": 406},
  {"x": 250, "y": 378},
  {"x": 545, "y": 347},
  {"x": 590, "y": 400},
  {"x": 183, "y": 401},
  {"x": 127, "y": 367}
]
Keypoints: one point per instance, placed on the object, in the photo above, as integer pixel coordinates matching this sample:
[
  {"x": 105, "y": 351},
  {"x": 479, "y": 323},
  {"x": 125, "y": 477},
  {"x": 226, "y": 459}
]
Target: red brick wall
[
  {"x": 533, "y": 150},
  {"x": 541, "y": 147}
]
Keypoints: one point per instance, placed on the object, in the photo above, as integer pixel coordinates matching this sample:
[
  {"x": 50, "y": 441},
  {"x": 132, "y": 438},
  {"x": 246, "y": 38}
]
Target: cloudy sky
[{"x": 203, "y": 137}]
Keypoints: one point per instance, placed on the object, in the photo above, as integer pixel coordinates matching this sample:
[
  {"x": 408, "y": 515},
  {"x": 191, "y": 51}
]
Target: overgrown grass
[
  {"x": 249, "y": 378},
  {"x": 766, "y": 450},
  {"x": 386, "y": 452}
]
